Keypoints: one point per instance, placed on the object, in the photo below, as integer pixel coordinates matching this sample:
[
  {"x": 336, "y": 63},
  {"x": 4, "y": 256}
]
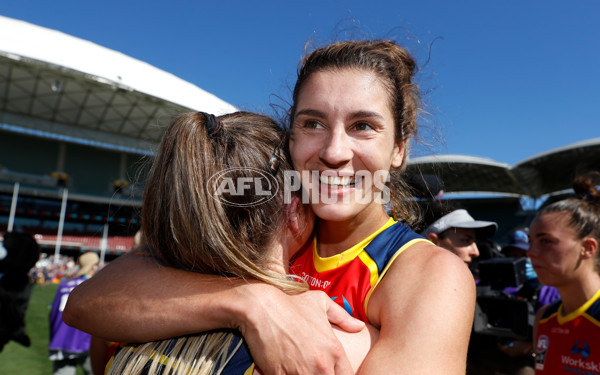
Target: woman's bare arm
[
  {"x": 424, "y": 307},
  {"x": 136, "y": 300}
]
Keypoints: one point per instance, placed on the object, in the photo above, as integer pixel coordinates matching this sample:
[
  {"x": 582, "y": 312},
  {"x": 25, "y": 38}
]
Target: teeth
[{"x": 336, "y": 180}]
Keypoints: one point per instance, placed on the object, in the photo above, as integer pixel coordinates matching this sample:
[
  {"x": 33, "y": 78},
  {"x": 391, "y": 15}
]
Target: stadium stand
[
  {"x": 78, "y": 116},
  {"x": 78, "y": 122},
  {"x": 509, "y": 195}
]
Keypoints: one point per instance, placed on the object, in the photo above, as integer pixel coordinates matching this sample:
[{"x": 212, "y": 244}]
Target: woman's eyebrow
[
  {"x": 364, "y": 114},
  {"x": 310, "y": 112},
  {"x": 351, "y": 116}
]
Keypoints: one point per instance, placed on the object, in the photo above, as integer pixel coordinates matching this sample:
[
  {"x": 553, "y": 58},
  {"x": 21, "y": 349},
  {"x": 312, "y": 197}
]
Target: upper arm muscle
[{"x": 425, "y": 307}]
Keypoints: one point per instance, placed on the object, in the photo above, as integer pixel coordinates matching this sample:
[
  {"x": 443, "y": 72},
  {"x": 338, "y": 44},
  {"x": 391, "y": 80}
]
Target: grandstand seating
[{"x": 115, "y": 244}]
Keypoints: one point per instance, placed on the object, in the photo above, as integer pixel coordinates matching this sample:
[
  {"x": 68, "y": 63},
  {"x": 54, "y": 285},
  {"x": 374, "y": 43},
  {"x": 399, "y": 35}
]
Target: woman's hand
[{"x": 292, "y": 334}]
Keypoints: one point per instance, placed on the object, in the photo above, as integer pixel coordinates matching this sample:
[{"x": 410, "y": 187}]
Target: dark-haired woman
[{"x": 564, "y": 239}]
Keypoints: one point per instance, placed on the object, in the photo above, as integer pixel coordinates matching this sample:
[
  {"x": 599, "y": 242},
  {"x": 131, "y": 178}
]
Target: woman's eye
[
  {"x": 312, "y": 124},
  {"x": 362, "y": 126}
]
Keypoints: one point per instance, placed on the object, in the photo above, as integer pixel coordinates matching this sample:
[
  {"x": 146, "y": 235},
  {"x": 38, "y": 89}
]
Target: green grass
[{"x": 16, "y": 359}]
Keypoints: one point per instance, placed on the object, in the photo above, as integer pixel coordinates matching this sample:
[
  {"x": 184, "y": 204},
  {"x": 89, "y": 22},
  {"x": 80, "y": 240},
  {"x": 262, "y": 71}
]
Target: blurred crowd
[{"x": 52, "y": 269}]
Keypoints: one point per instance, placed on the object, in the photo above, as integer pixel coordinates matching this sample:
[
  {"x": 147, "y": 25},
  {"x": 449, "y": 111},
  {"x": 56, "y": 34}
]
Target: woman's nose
[{"x": 337, "y": 149}]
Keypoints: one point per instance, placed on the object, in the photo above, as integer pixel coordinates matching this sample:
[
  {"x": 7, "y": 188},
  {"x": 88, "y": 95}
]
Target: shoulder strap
[{"x": 383, "y": 247}]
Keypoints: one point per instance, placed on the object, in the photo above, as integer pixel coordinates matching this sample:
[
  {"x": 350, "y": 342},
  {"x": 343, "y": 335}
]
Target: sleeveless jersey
[
  {"x": 351, "y": 277},
  {"x": 569, "y": 344}
]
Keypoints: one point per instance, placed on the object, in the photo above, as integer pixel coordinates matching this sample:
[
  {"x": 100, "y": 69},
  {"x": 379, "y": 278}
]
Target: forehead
[
  {"x": 469, "y": 232},
  {"x": 549, "y": 223},
  {"x": 344, "y": 89}
]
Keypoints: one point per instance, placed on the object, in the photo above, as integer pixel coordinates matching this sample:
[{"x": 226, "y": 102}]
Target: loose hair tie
[{"x": 213, "y": 125}]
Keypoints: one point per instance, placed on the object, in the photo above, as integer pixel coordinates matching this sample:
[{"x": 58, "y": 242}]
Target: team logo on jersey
[
  {"x": 346, "y": 306},
  {"x": 540, "y": 353},
  {"x": 581, "y": 347}
]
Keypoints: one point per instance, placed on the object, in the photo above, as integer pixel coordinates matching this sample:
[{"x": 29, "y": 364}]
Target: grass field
[{"x": 19, "y": 360}]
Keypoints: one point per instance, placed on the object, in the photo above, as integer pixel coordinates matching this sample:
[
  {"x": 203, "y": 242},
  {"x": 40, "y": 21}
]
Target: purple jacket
[{"x": 63, "y": 337}]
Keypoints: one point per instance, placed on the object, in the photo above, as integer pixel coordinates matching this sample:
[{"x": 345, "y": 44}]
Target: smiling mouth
[{"x": 337, "y": 181}]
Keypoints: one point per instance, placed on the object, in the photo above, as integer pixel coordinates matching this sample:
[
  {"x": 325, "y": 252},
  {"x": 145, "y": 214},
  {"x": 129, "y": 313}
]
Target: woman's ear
[
  {"x": 398, "y": 153},
  {"x": 590, "y": 247},
  {"x": 433, "y": 238},
  {"x": 293, "y": 212}
]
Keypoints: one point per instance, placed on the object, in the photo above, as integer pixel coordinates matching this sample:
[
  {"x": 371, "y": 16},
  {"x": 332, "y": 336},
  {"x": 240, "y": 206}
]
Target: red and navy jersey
[
  {"x": 569, "y": 344},
  {"x": 351, "y": 277}
]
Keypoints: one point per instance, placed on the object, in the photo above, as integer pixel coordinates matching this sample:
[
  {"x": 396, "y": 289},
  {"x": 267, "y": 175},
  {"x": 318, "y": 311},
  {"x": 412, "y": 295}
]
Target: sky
[{"x": 503, "y": 80}]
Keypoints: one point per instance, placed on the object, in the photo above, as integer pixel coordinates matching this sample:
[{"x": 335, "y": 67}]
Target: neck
[
  {"x": 335, "y": 237},
  {"x": 278, "y": 259},
  {"x": 577, "y": 293}
]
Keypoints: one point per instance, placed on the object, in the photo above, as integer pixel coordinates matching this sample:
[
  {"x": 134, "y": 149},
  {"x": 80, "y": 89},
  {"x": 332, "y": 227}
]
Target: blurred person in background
[
  {"x": 457, "y": 231},
  {"x": 18, "y": 254},
  {"x": 69, "y": 347},
  {"x": 532, "y": 289},
  {"x": 564, "y": 239}
]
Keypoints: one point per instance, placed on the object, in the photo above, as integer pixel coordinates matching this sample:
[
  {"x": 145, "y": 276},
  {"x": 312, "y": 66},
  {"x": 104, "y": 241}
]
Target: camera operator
[
  {"x": 532, "y": 290},
  {"x": 505, "y": 348}
]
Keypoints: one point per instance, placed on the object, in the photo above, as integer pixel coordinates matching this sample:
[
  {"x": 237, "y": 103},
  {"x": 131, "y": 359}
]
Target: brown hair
[
  {"x": 396, "y": 69},
  {"x": 583, "y": 209},
  {"x": 187, "y": 225}
]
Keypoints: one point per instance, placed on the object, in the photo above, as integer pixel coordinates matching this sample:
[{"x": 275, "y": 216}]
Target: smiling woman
[
  {"x": 344, "y": 125},
  {"x": 358, "y": 97},
  {"x": 354, "y": 109}
]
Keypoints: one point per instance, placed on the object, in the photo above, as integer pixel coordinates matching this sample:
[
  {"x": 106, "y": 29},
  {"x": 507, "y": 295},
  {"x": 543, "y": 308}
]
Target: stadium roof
[
  {"x": 543, "y": 174},
  {"x": 59, "y": 86}
]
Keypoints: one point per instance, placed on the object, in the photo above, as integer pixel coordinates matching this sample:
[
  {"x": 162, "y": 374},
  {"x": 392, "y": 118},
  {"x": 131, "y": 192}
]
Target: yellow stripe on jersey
[
  {"x": 250, "y": 370},
  {"x": 335, "y": 261},
  {"x": 580, "y": 311}
]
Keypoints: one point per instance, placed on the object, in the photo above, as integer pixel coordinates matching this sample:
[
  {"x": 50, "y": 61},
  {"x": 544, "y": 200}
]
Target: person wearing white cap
[{"x": 458, "y": 231}]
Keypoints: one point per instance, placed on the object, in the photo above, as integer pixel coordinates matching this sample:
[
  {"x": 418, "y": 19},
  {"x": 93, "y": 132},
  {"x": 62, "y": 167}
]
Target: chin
[
  {"x": 334, "y": 212},
  {"x": 543, "y": 278}
]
